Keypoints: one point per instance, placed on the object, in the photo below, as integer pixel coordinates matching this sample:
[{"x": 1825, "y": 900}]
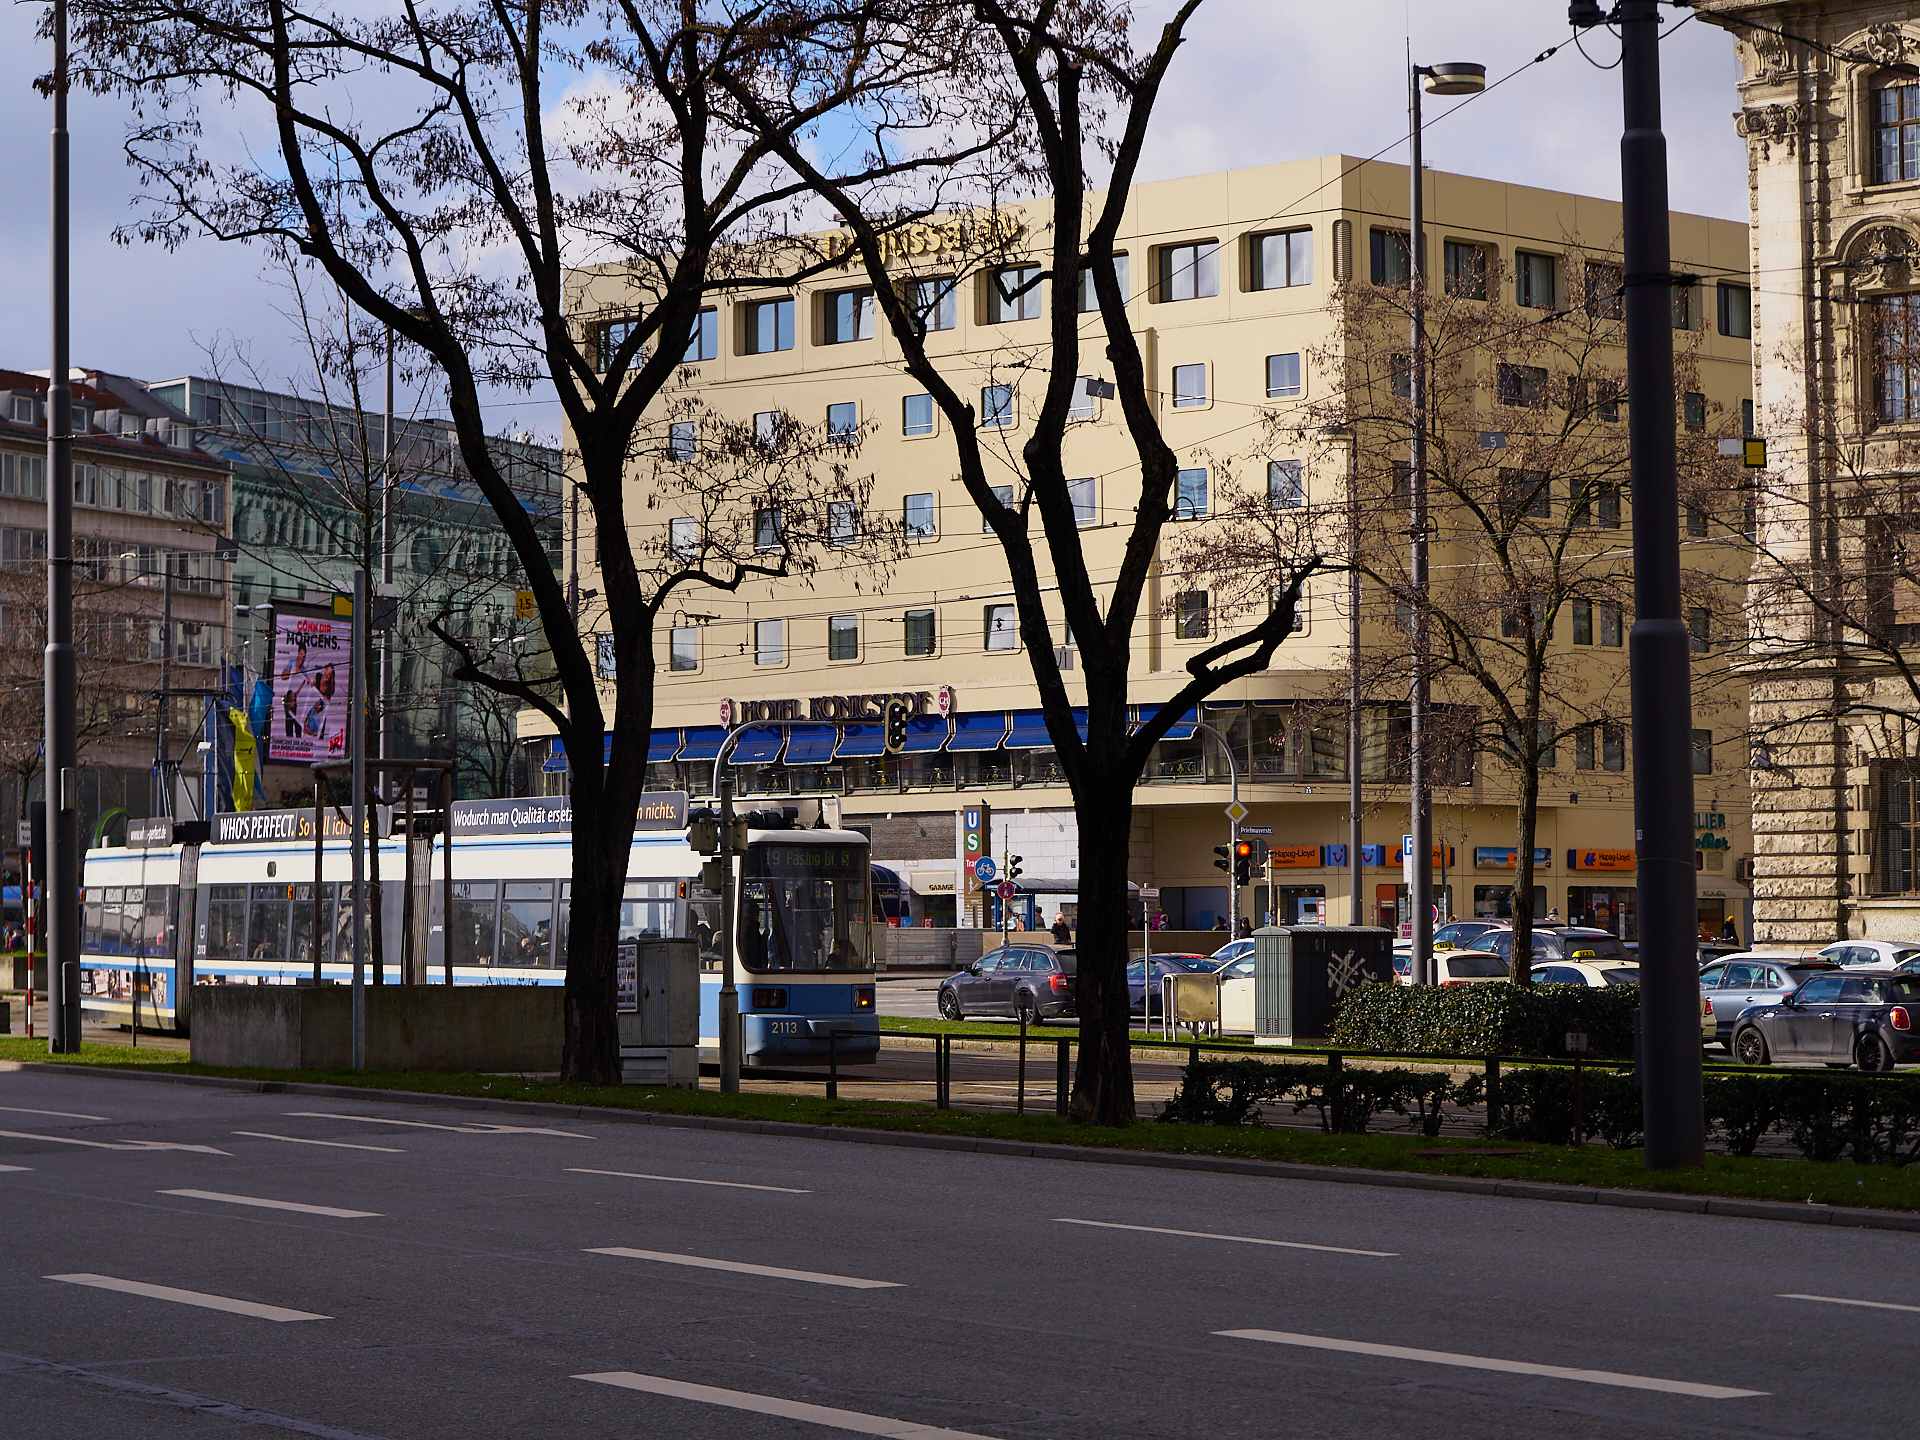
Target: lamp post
[{"x": 1456, "y": 78}]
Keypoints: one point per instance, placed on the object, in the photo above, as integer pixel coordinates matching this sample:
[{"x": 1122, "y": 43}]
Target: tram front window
[{"x": 804, "y": 907}]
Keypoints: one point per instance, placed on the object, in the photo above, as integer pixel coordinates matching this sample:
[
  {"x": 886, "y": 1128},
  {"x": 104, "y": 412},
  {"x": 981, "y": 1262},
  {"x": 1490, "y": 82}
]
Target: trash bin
[{"x": 1301, "y": 973}]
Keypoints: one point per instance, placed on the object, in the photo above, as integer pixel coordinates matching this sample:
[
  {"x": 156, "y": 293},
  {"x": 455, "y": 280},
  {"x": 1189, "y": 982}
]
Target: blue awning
[
  {"x": 663, "y": 746},
  {"x": 809, "y": 744},
  {"x": 757, "y": 746},
  {"x": 1182, "y": 729},
  {"x": 1030, "y": 730},
  {"x": 925, "y": 734},
  {"x": 861, "y": 740},
  {"x": 979, "y": 732},
  {"x": 703, "y": 742}
]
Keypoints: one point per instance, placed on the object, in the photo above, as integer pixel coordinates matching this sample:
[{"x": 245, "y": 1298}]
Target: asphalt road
[{"x": 458, "y": 1275}]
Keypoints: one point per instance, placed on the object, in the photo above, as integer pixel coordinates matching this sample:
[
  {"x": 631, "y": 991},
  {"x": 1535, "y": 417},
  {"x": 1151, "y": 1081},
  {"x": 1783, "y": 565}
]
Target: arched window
[
  {"x": 1896, "y": 129},
  {"x": 1896, "y": 357}
]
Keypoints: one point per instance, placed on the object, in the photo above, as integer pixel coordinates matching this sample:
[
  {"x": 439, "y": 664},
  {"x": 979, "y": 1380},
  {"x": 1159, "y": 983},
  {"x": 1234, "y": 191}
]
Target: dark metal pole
[
  {"x": 386, "y": 570},
  {"x": 1420, "y": 862},
  {"x": 1355, "y": 873},
  {"x": 1662, "y": 707},
  {"x": 357, "y": 748},
  {"x": 446, "y": 871},
  {"x": 319, "y": 886},
  {"x": 62, "y": 735},
  {"x": 163, "y": 794},
  {"x": 729, "y": 1000}
]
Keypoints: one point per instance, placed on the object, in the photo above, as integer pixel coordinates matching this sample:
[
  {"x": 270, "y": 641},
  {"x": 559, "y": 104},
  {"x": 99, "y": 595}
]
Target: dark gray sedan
[
  {"x": 1841, "y": 1019},
  {"x": 1030, "y": 981}
]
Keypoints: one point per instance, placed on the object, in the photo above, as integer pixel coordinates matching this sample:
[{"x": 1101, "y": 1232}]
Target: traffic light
[
  {"x": 1242, "y": 862},
  {"x": 1013, "y": 867},
  {"x": 896, "y": 726},
  {"x": 1225, "y": 862}
]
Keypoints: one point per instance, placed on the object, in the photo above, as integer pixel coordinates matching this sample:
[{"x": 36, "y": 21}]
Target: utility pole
[
  {"x": 163, "y": 794},
  {"x": 729, "y": 991},
  {"x": 386, "y": 569},
  {"x": 1657, "y": 653},
  {"x": 357, "y": 748},
  {"x": 1355, "y": 874},
  {"x": 62, "y": 726}
]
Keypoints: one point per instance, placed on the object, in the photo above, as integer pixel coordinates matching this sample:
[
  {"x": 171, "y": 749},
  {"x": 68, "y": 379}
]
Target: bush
[
  {"x": 1487, "y": 1019},
  {"x": 1231, "y": 1092},
  {"x": 1537, "y": 1104}
]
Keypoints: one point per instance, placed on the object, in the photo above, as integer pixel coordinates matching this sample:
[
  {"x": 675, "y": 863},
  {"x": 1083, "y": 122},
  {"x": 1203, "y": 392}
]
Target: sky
[{"x": 1258, "y": 81}]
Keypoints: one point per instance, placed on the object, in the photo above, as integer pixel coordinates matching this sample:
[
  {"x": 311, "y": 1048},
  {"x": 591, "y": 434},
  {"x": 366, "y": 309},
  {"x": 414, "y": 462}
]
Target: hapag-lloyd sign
[{"x": 837, "y": 707}]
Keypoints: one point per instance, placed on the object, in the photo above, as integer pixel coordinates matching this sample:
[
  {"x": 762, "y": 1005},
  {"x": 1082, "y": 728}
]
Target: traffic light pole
[{"x": 1233, "y": 831}]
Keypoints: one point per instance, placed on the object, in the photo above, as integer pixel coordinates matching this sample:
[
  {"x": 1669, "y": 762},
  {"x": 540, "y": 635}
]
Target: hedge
[
  {"x": 1489, "y": 1019},
  {"x": 1231, "y": 1092}
]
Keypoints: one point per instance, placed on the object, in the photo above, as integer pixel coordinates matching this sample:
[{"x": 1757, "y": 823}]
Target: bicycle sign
[{"x": 984, "y": 869}]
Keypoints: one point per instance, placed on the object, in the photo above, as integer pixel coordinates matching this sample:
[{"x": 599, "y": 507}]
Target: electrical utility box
[
  {"x": 1301, "y": 973},
  {"x": 658, "y": 1004}
]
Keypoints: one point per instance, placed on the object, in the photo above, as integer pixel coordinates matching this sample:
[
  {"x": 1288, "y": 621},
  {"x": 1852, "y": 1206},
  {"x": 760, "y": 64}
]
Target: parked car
[
  {"x": 1231, "y": 951},
  {"x": 1162, "y": 965},
  {"x": 1848, "y": 953},
  {"x": 1841, "y": 1019},
  {"x": 1553, "y": 943},
  {"x": 1457, "y": 933},
  {"x": 1454, "y": 967},
  {"x": 1706, "y": 1020},
  {"x": 1594, "y": 974},
  {"x": 1031, "y": 980},
  {"x": 1712, "y": 950},
  {"x": 1751, "y": 978}
]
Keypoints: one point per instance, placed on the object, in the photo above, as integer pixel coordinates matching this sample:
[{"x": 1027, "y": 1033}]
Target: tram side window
[
  {"x": 473, "y": 922},
  {"x": 526, "y": 923},
  {"x": 226, "y": 922},
  {"x": 300, "y": 926},
  {"x": 157, "y": 920},
  {"x": 267, "y": 924},
  {"x": 93, "y": 904},
  {"x": 647, "y": 909}
]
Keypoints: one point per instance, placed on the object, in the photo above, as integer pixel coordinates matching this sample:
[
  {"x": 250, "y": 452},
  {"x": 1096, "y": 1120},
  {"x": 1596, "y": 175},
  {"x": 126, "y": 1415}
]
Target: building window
[
  {"x": 1004, "y": 495},
  {"x": 1534, "y": 280},
  {"x": 682, "y": 439},
  {"x": 766, "y": 428},
  {"x": 683, "y": 647},
  {"x": 608, "y": 337},
  {"x": 1081, "y": 495},
  {"x": 1896, "y": 129},
  {"x": 1089, "y": 300},
  {"x": 1013, "y": 293},
  {"x": 1696, "y": 521},
  {"x": 769, "y": 531},
  {"x": 1401, "y": 485},
  {"x": 843, "y": 422},
  {"x": 1465, "y": 266},
  {"x": 1599, "y": 508},
  {"x": 848, "y": 315},
  {"x": 683, "y": 537},
  {"x": 1699, "y": 638},
  {"x": 1583, "y": 748},
  {"x": 1526, "y": 493},
  {"x": 1189, "y": 272},
  {"x": 1736, "y": 311},
  {"x": 769, "y": 326},
  {"x": 1703, "y": 752},
  {"x": 1582, "y": 622},
  {"x": 1286, "y": 490},
  {"x": 843, "y": 637},
  {"x": 1682, "y": 307},
  {"x": 1896, "y": 357},
  {"x": 843, "y": 522},
  {"x": 917, "y": 515},
  {"x": 1900, "y": 832},
  {"x": 1400, "y": 376},
  {"x": 1283, "y": 377},
  {"x": 1190, "y": 615},
  {"x": 1190, "y": 495},
  {"x": 996, "y": 407},
  {"x": 916, "y": 415},
  {"x": 1522, "y": 385},
  {"x": 1080, "y": 404},
  {"x": 1746, "y": 418},
  {"x": 1693, "y": 410},
  {"x": 1390, "y": 255},
  {"x": 920, "y": 636},
  {"x": 1002, "y": 630},
  {"x": 1613, "y": 748},
  {"x": 936, "y": 302},
  {"x": 1605, "y": 287},
  {"x": 1189, "y": 386},
  {"x": 703, "y": 341},
  {"x": 1612, "y": 625},
  {"x": 1279, "y": 261},
  {"x": 769, "y": 642}
]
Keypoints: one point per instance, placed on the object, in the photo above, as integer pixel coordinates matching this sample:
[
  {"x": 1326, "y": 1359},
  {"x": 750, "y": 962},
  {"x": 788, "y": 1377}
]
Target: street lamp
[{"x": 1455, "y": 78}]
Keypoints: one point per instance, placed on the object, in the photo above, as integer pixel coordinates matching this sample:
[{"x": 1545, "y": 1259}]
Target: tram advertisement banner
[{"x": 312, "y": 660}]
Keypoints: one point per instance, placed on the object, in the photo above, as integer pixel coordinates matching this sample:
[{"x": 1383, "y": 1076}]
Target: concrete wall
[{"x": 429, "y": 1027}]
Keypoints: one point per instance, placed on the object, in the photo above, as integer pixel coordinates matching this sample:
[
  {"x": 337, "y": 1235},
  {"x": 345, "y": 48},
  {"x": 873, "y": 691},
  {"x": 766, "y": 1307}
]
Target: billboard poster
[{"x": 307, "y": 721}]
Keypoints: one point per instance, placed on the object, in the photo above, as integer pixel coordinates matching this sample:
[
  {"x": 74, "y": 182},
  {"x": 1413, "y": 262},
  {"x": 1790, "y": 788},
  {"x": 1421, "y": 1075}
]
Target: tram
[{"x": 240, "y": 910}]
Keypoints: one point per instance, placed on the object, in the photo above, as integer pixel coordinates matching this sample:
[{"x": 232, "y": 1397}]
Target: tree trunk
[
  {"x": 1103, "y": 1079},
  {"x": 1520, "y": 972},
  {"x": 591, "y": 1052}
]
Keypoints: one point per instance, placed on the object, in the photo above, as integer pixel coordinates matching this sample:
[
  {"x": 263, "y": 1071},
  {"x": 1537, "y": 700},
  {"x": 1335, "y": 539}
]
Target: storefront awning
[
  {"x": 925, "y": 734},
  {"x": 1182, "y": 729},
  {"x": 857, "y": 741},
  {"x": 758, "y": 746},
  {"x": 1029, "y": 730},
  {"x": 810, "y": 744},
  {"x": 979, "y": 732},
  {"x": 703, "y": 742},
  {"x": 663, "y": 746}
]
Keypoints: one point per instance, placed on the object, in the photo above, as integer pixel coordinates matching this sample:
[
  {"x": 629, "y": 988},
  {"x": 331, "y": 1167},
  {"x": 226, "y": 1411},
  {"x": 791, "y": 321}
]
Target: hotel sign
[
  {"x": 835, "y": 707},
  {"x": 966, "y": 234}
]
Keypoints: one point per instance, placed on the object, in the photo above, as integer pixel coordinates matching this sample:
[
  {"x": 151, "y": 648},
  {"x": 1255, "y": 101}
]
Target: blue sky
[{"x": 1258, "y": 81}]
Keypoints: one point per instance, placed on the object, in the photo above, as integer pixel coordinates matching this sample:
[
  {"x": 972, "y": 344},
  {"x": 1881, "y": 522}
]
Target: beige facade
[
  {"x": 937, "y": 627},
  {"x": 1835, "y": 186}
]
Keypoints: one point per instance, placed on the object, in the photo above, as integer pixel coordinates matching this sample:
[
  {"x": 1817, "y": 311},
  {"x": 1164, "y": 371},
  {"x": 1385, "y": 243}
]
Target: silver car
[{"x": 1732, "y": 984}]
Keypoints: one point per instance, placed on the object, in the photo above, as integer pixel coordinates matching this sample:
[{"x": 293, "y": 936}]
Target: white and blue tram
[{"x": 246, "y": 916}]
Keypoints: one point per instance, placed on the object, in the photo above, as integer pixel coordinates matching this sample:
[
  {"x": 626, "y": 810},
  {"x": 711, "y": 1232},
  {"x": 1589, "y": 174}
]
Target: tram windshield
[{"x": 805, "y": 907}]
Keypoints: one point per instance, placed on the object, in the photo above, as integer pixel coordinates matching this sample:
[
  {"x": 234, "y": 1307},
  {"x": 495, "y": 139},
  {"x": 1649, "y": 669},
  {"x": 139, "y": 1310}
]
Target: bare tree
[{"x": 447, "y": 169}]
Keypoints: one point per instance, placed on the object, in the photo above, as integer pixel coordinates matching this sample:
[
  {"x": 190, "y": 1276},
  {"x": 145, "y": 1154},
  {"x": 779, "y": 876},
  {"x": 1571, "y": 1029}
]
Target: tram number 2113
[{"x": 783, "y": 1027}]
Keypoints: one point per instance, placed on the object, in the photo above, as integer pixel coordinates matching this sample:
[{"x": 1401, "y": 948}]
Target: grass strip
[{"x": 1754, "y": 1178}]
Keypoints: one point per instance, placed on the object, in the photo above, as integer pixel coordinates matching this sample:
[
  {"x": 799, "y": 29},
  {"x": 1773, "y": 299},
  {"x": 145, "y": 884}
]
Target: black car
[
  {"x": 1034, "y": 982},
  {"x": 1558, "y": 942},
  {"x": 1839, "y": 1018}
]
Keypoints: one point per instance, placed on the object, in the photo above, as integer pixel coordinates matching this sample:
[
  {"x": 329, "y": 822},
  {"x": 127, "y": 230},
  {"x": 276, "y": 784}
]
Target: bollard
[
  {"x": 833, "y": 1064},
  {"x": 1493, "y": 1094},
  {"x": 1020, "y": 1093},
  {"x": 1576, "y": 1099},
  {"x": 1060, "y": 1084},
  {"x": 1336, "y": 1092},
  {"x": 942, "y": 1072}
]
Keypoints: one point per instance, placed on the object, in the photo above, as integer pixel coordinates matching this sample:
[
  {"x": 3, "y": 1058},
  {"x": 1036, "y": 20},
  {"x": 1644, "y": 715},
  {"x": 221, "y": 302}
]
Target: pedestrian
[
  {"x": 1062, "y": 932},
  {"x": 1221, "y": 923},
  {"x": 1728, "y": 932}
]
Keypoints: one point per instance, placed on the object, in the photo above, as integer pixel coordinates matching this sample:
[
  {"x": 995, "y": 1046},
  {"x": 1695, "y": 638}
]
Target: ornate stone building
[{"x": 1830, "y": 108}]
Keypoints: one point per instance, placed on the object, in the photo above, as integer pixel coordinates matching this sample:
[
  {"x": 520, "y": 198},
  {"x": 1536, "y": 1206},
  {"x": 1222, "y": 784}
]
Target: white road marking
[
  {"x": 333, "y": 1144},
  {"x": 1237, "y": 1239},
  {"x": 108, "y": 1144},
  {"x": 20, "y": 1168},
  {"x": 1869, "y": 1304},
  {"x": 813, "y": 1277},
  {"x": 255, "y": 1200},
  {"x": 189, "y": 1297},
  {"x": 1482, "y": 1362},
  {"x": 62, "y": 1114},
  {"x": 429, "y": 1125},
  {"x": 683, "y": 1180},
  {"x": 852, "y": 1420}
]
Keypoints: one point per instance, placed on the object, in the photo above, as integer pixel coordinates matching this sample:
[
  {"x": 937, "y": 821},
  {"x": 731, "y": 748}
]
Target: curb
[{"x": 1850, "y": 1217}]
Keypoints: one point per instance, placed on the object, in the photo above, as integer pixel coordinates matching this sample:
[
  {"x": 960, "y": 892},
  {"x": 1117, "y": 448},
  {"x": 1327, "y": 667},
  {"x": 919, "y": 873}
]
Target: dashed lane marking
[
  {"x": 812, "y": 1277},
  {"x": 331, "y": 1144},
  {"x": 685, "y": 1180},
  {"x": 430, "y": 1125},
  {"x": 188, "y": 1297},
  {"x": 1237, "y": 1239},
  {"x": 256, "y": 1201},
  {"x": 59, "y": 1114},
  {"x": 1867, "y": 1304},
  {"x": 852, "y": 1420},
  {"x": 108, "y": 1144}
]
